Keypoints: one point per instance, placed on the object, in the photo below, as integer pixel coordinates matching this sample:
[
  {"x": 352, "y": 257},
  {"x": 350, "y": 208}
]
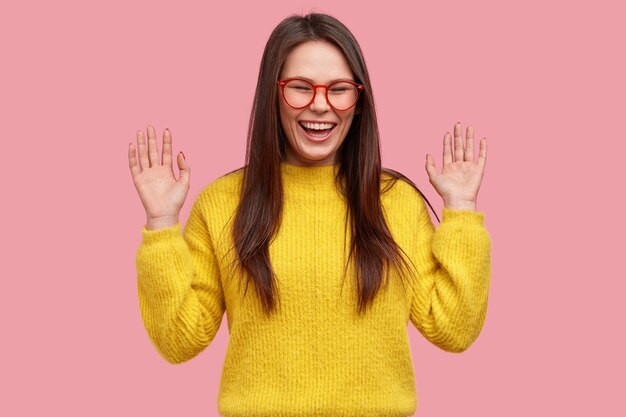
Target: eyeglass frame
[{"x": 359, "y": 88}]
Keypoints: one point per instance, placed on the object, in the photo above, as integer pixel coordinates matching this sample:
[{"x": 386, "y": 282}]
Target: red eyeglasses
[{"x": 340, "y": 95}]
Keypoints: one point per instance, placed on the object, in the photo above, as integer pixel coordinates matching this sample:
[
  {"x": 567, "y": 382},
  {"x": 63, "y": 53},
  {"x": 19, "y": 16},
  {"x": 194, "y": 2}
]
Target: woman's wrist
[
  {"x": 459, "y": 205},
  {"x": 161, "y": 222}
]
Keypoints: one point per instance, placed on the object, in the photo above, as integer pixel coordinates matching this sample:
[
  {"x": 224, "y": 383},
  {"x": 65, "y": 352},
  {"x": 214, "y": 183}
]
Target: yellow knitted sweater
[{"x": 316, "y": 357}]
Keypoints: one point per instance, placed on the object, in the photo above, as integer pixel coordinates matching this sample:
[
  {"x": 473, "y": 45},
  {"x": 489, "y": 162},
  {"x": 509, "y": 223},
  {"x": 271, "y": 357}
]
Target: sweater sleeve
[
  {"x": 450, "y": 297},
  {"x": 179, "y": 288}
]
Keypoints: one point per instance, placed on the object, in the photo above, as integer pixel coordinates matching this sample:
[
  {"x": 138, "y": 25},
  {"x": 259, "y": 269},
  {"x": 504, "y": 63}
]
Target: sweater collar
[{"x": 309, "y": 179}]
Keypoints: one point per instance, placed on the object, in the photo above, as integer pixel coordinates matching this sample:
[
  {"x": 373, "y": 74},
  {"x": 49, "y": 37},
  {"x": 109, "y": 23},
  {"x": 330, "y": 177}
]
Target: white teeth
[{"x": 317, "y": 126}]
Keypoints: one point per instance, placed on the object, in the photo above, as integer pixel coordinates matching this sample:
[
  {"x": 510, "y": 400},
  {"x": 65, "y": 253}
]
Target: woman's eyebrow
[{"x": 331, "y": 81}]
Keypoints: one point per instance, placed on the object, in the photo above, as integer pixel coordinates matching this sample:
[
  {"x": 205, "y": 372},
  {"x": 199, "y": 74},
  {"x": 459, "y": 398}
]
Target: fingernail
[
  {"x": 183, "y": 155},
  {"x": 167, "y": 129}
]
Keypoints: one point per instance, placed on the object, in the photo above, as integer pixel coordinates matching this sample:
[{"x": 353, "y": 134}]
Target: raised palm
[
  {"x": 161, "y": 194},
  {"x": 460, "y": 178}
]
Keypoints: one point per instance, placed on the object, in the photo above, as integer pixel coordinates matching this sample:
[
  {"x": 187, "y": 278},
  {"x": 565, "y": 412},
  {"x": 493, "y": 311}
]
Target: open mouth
[{"x": 318, "y": 131}]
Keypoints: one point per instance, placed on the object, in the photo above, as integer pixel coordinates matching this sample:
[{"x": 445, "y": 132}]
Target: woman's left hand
[{"x": 460, "y": 178}]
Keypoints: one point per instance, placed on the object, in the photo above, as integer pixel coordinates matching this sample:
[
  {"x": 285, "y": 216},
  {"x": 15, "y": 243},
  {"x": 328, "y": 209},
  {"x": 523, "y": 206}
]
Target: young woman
[{"x": 340, "y": 253}]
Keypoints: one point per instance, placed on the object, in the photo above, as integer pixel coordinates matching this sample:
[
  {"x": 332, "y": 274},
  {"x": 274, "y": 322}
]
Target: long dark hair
[{"x": 258, "y": 214}]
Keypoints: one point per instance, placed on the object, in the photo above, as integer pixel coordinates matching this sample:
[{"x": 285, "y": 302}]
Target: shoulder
[
  {"x": 226, "y": 186},
  {"x": 216, "y": 203},
  {"x": 394, "y": 184},
  {"x": 221, "y": 193},
  {"x": 398, "y": 192}
]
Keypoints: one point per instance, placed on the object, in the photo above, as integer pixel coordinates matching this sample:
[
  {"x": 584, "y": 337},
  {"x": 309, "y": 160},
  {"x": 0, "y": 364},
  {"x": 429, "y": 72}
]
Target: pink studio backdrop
[{"x": 543, "y": 81}]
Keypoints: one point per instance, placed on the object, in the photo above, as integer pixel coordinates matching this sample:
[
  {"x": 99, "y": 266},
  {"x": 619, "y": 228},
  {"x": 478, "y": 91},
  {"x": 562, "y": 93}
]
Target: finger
[
  {"x": 135, "y": 169},
  {"x": 153, "y": 151},
  {"x": 430, "y": 166},
  {"x": 142, "y": 150},
  {"x": 167, "y": 149},
  {"x": 184, "y": 168},
  {"x": 482, "y": 154},
  {"x": 469, "y": 147},
  {"x": 447, "y": 149},
  {"x": 458, "y": 142}
]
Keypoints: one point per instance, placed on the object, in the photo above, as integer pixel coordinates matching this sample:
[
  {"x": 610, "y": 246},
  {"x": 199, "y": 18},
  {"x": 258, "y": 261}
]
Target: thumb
[
  {"x": 184, "y": 168},
  {"x": 430, "y": 166}
]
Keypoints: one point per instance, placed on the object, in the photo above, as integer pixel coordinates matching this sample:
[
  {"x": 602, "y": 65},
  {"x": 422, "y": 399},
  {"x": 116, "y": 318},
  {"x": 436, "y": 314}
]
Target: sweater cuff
[
  {"x": 151, "y": 237},
  {"x": 463, "y": 217}
]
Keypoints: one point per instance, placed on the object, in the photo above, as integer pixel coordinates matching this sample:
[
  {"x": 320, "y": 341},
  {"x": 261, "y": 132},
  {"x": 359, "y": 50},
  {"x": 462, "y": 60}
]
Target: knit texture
[{"x": 317, "y": 356}]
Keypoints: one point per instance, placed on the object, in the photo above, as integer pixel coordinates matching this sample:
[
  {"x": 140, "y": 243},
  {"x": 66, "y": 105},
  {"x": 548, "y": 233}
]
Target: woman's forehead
[{"x": 318, "y": 61}]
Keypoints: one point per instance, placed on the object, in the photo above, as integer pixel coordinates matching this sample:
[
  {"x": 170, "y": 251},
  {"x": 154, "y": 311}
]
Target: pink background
[{"x": 542, "y": 81}]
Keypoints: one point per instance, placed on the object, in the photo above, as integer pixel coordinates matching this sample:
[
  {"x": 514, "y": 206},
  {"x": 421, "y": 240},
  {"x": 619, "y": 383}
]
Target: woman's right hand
[{"x": 161, "y": 194}]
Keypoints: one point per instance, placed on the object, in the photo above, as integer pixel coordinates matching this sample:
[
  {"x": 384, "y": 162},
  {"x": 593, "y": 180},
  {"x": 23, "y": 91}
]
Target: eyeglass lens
[{"x": 341, "y": 95}]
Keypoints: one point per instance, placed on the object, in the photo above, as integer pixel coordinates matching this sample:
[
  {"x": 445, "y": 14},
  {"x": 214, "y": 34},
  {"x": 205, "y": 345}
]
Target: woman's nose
[{"x": 319, "y": 100}]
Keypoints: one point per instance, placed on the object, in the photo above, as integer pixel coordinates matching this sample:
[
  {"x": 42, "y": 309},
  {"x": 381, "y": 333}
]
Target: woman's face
[{"x": 322, "y": 63}]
